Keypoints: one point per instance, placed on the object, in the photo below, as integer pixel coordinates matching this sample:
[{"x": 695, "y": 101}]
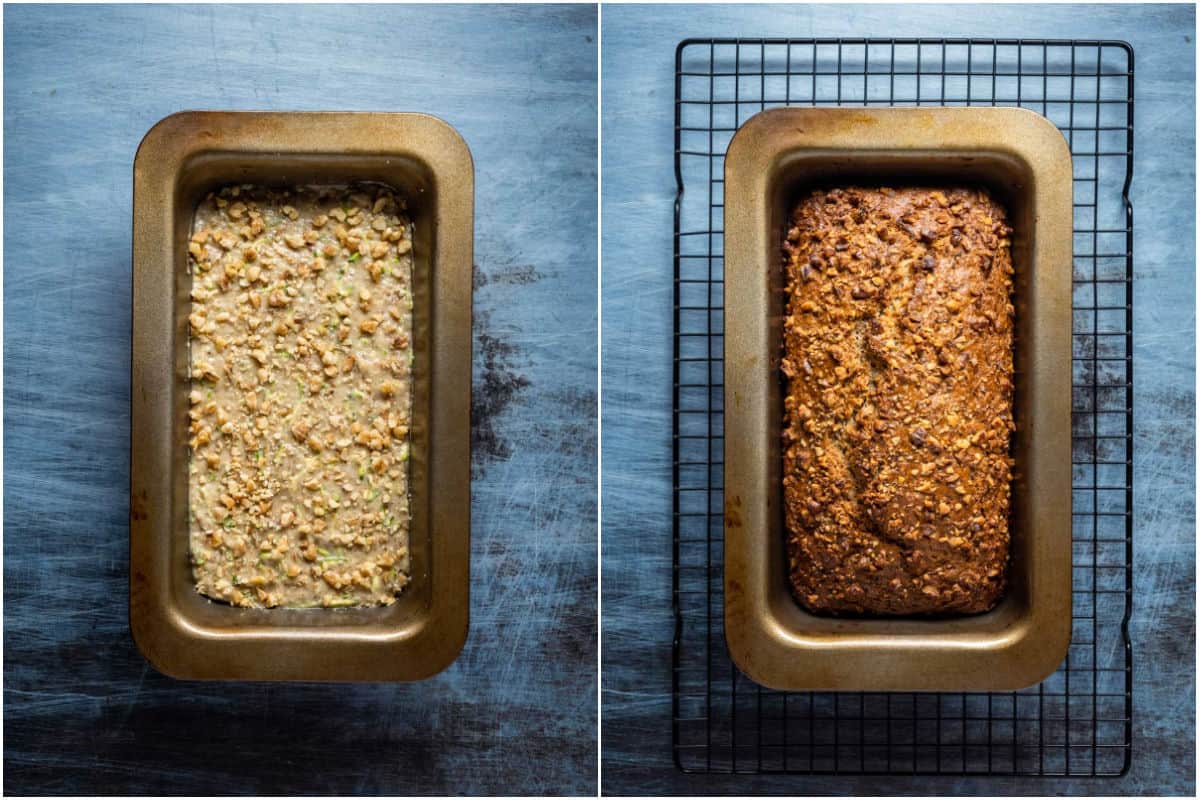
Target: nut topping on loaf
[{"x": 898, "y": 411}]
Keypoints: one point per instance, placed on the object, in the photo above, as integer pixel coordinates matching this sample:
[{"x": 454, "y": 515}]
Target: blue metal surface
[
  {"x": 639, "y": 191},
  {"x": 84, "y": 713}
]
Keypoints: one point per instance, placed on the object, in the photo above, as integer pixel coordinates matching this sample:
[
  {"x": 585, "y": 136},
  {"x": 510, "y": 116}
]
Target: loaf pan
[
  {"x": 1023, "y": 159},
  {"x": 179, "y": 161}
]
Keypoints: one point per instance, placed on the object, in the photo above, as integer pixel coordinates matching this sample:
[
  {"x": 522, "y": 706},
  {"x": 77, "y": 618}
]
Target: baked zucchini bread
[{"x": 898, "y": 408}]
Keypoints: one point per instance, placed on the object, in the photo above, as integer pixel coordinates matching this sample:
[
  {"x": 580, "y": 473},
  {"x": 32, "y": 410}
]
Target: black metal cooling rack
[{"x": 1078, "y": 721}]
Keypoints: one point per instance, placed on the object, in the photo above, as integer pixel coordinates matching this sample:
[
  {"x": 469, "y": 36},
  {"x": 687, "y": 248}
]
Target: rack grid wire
[{"x": 1078, "y": 722}]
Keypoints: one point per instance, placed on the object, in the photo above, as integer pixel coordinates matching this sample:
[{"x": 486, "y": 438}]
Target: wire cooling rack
[{"x": 1078, "y": 721}]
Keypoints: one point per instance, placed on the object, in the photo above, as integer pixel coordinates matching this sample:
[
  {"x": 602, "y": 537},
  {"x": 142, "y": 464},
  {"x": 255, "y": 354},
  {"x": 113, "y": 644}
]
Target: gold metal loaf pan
[
  {"x": 1023, "y": 159},
  {"x": 183, "y": 634}
]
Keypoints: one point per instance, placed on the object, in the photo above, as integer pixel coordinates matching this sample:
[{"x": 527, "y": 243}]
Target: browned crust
[{"x": 898, "y": 412}]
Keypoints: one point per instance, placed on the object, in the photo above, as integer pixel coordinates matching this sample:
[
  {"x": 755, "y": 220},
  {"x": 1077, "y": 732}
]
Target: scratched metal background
[
  {"x": 83, "y": 712},
  {"x": 639, "y": 192}
]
